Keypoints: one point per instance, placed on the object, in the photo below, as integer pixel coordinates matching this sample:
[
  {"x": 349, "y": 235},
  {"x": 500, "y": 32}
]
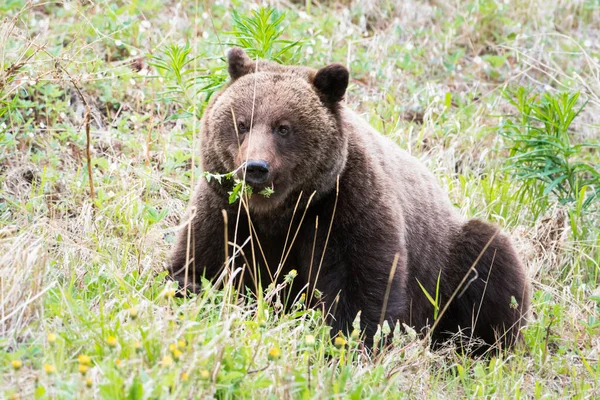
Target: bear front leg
[
  {"x": 366, "y": 286},
  {"x": 199, "y": 249}
]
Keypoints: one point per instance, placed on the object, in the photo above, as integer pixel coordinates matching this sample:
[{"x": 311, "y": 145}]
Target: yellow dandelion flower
[
  {"x": 17, "y": 364},
  {"x": 172, "y": 347},
  {"x": 309, "y": 340},
  {"x": 49, "y": 368},
  {"x": 118, "y": 363},
  {"x": 88, "y": 382},
  {"x": 184, "y": 376},
  {"x": 83, "y": 369},
  {"x": 204, "y": 374},
  {"x": 84, "y": 360},
  {"x": 112, "y": 341},
  {"x": 177, "y": 354},
  {"x": 181, "y": 344},
  {"x": 289, "y": 278},
  {"x": 339, "y": 342},
  {"x": 166, "y": 361},
  {"x": 274, "y": 354},
  {"x": 133, "y": 313},
  {"x": 51, "y": 337}
]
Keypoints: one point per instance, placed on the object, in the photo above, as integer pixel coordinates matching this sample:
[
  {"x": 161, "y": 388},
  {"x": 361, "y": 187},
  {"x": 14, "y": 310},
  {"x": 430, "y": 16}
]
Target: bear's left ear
[
  {"x": 239, "y": 63},
  {"x": 331, "y": 82}
]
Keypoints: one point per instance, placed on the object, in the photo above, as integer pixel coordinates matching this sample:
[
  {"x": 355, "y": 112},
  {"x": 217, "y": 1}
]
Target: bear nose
[{"x": 257, "y": 171}]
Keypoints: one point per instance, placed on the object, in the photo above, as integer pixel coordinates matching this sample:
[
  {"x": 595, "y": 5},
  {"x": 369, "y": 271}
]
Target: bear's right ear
[
  {"x": 331, "y": 82},
  {"x": 239, "y": 63}
]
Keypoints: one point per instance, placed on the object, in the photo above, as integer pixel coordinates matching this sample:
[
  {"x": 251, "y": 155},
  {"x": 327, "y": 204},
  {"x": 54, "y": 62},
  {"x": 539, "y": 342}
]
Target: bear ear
[
  {"x": 239, "y": 63},
  {"x": 331, "y": 82}
]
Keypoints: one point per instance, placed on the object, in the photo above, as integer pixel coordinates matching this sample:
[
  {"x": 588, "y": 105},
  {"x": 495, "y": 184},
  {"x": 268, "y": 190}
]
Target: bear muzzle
[{"x": 257, "y": 173}]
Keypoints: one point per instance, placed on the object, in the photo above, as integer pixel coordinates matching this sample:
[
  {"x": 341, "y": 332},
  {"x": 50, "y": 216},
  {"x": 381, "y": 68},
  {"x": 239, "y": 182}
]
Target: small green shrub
[
  {"x": 260, "y": 35},
  {"x": 179, "y": 69},
  {"x": 542, "y": 150}
]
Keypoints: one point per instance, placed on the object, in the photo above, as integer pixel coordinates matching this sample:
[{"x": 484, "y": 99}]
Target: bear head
[{"x": 278, "y": 127}]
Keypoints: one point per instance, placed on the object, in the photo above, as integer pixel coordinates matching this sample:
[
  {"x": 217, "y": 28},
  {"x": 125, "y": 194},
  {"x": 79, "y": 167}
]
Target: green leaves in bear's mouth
[
  {"x": 267, "y": 192},
  {"x": 237, "y": 191},
  {"x": 238, "y": 186},
  {"x": 219, "y": 177}
]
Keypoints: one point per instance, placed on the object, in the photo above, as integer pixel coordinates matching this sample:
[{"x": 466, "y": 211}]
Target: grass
[{"x": 85, "y": 308}]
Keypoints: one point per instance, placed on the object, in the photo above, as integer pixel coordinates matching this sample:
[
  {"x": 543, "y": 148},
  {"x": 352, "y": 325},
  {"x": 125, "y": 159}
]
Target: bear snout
[{"x": 257, "y": 172}]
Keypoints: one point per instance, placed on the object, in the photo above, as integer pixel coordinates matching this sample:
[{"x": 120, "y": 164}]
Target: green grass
[{"x": 83, "y": 276}]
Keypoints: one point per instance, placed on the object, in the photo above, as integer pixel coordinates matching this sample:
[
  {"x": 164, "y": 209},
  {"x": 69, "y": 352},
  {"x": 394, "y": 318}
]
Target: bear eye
[
  {"x": 283, "y": 130},
  {"x": 242, "y": 127}
]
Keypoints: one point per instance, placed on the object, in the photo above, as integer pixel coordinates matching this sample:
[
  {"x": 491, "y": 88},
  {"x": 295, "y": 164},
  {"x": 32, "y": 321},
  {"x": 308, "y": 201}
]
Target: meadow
[{"x": 99, "y": 124}]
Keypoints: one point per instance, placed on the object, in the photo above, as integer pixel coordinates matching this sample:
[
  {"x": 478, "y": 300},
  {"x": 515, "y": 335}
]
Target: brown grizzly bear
[{"x": 357, "y": 217}]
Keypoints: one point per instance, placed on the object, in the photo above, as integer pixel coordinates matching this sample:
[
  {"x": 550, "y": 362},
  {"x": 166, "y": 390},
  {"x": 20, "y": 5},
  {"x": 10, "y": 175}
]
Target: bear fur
[{"x": 376, "y": 226}]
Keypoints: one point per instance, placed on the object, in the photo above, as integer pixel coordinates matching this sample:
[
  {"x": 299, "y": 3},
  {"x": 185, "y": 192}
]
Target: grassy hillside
[{"x": 501, "y": 99}]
